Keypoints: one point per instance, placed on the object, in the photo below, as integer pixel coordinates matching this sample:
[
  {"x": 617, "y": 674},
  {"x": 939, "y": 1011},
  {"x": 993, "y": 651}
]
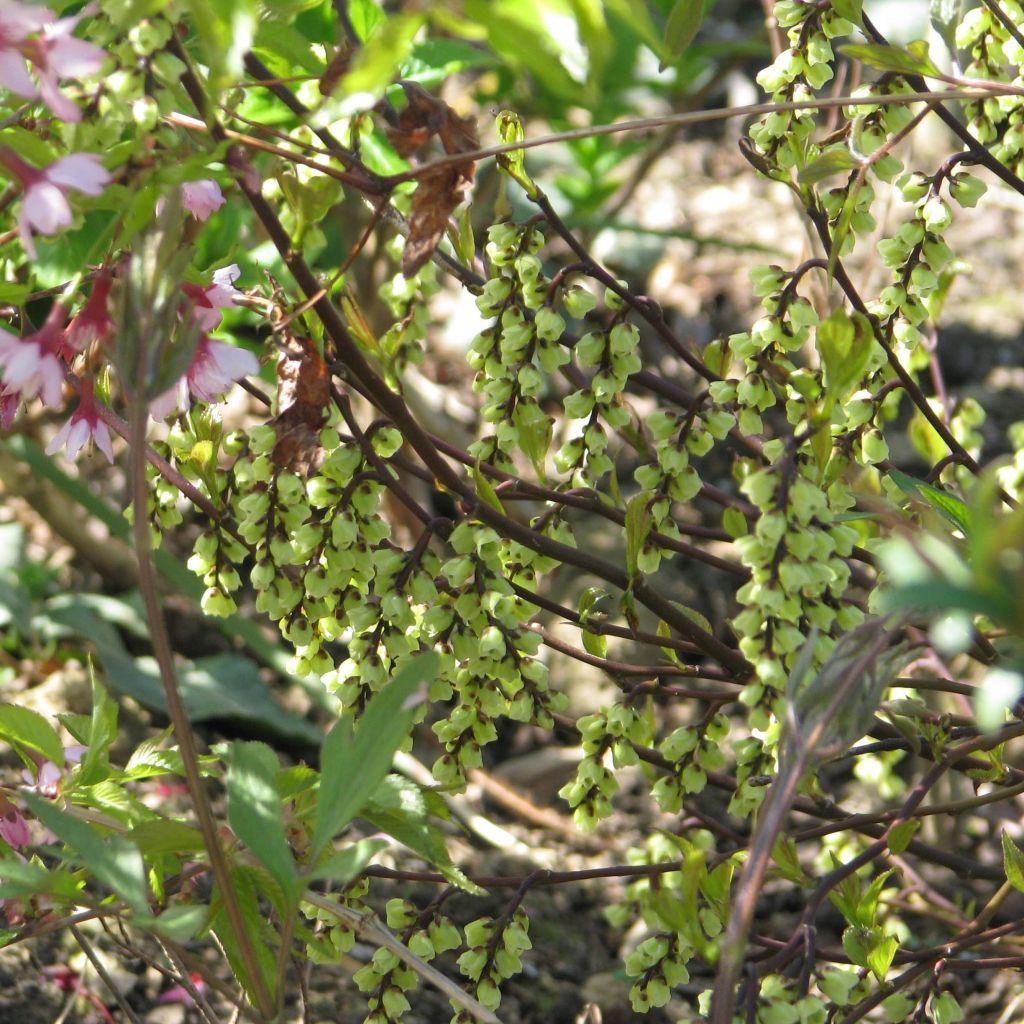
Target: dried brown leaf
[
  {"x": 438, "y": 193},
  {"x": 303, "y": 398}
]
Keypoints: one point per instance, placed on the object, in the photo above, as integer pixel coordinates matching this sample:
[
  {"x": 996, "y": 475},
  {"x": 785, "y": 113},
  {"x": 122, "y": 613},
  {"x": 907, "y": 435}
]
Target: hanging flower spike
[
  {"x": 84, "y": 425},
  {"x": 93, "y": 323},
  {"x": 215, "y": 367},
  {"x": 53, "y": 54},
  {"x": 32, "y": 365},
  {"x": 208, "y": 302},
  {"x": 202, "y": 198},
  {"x": 44, "y": 204}
]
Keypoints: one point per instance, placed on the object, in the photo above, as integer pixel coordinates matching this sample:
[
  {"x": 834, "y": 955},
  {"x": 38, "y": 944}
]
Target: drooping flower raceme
[
  {"x": 83, "y": 425},
  {"x": 32, "y": 365},
  {"x": 202, "y": 198},
  {"x": 44, "y": 204},
  {"x": 37, "y": 35}
]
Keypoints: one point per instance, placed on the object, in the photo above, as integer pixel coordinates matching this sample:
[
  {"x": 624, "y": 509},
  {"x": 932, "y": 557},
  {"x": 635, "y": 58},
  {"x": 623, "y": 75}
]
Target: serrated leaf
[
  {"x": 1013, "y": 863},
  {"x": 255, "y": 810},
  {"x": 114, "y": 859},
  {"x": 23, "y": 727},
  {"x": 912, "y": 60},
  {"x": 353, "y": 762},
  {"x": 409, "y": 824}
]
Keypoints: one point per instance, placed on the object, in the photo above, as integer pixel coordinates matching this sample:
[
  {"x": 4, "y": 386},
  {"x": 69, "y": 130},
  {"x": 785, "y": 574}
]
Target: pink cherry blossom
[
  {"x": 44, "y": 204},
  {"x": 93, "y": 323},
  {"x": 208, "y": 302},
  {"x": 215, "y": 367},
  {"x": 32, "y": 365},
  {"x": 201, "y": 198},
  {"x": 84, "y": 425},
  {"x": 53, "y": 54}
]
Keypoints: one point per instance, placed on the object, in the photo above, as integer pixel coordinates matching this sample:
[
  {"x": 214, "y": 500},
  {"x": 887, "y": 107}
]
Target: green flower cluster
[
  {"x": 694, "y": 751},
  {"x": 794, "y": 75},
  {"x": 995, "y": 55},
  {"x": 385, "y": 977},
  {"x": 610, "y": 734},
  {"x": 494, "y": 953},
  {"x": 523, "y": 344}
]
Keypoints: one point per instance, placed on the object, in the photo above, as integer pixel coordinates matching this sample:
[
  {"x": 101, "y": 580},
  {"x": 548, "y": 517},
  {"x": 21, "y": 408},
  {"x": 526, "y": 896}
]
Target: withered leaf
[
  {"x": 440, "y": 189},
  {"x": 425, "y": 116},
  {"x": 303, "y": 398},
  {"x": 438, "y": 193}
]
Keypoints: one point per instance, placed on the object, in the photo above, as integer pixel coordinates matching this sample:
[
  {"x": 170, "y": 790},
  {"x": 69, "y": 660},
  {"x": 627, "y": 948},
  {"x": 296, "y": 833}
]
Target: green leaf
[
  {"x": 20, "y": 878},
  {"x": 1013, "y": 863},
  {"x": 637, "y": 16},
  {"x": 366, "y": 17},
  {"x": 951, "y": 508},
  {"x": 913, "y": 60},
  {"x": 226, "y": 29},
  {"x": 353, "y": 762},
  {"x": 401, "y": 809},
  {"x": 899, "y": 837},
  {"x": 639, "y": 523},
  {"x": 14, "y": 294},
  {"x": 23, "y": 727},
  {"x": 844, "y": 346},
  {"x": 113, "y": 859},
  {"x": 180, "y": 923},
  {"x": 836, "y": 160},
  {"x": 880, "y": 955},
  {"x": 256, "y": 812},
  {"x": 342, "y": 867},
  {"x": 485, "y": 491},
  {"x": 102, "y": 730},
  {"x": 165, "y": 836},
  {"x": 683, "y": 22},
  {"x": 376, "y": 65}
]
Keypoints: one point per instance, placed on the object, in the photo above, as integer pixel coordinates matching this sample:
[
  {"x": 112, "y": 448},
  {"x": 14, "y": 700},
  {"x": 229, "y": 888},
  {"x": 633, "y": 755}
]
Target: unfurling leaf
[{"x": 513, "y": 163}]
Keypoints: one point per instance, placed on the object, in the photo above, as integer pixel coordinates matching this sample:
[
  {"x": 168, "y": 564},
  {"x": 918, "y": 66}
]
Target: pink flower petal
[
  {"x": 49, "y": 89},
  {"x": 45, "y": 208},
  {"x": 14, "y": 74},
  {"x": 82, "y": 171},
  {"x": 70, "y": 57},
  {"x": 101, "y": 435},
  {"x": 202, "y": 198},
  {"x": 19, "y": 20},
  {"x": 59, "y": 439}
]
